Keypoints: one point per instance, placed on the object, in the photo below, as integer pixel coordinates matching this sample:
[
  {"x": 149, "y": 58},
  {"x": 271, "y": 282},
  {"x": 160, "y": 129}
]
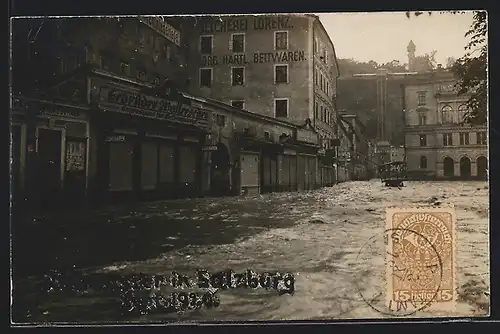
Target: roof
[{"x": 316, "y": 17}]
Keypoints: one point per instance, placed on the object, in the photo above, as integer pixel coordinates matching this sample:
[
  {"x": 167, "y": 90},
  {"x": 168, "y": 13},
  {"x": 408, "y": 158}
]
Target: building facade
[
  {"x": 97, "y": 113},
  {"x": 438, "y": 144},
  {"x": 106, "y": 115},
  {"x": 279, "y": 66}
]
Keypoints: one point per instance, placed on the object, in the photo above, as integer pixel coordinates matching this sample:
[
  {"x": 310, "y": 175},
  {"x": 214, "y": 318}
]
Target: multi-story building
[
  {"x": 100, "y": 106},
  {"x": 438, "y": 143},
  {"x": 82, "y": 106},
  {"x": 357, "y": 145},
  {"x": 281, "y": 66}
]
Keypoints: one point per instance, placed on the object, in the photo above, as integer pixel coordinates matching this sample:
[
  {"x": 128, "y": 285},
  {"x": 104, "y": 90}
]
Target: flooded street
[{"x": 317, "y": 236}]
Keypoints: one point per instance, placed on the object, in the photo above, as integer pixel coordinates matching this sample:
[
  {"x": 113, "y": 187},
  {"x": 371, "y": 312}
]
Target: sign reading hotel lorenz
[{"x": 152, "y": 107}]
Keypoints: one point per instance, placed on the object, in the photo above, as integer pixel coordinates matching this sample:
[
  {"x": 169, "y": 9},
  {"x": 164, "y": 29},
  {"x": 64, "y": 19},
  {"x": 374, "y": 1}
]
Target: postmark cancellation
[{"x": 420, "y": 260}]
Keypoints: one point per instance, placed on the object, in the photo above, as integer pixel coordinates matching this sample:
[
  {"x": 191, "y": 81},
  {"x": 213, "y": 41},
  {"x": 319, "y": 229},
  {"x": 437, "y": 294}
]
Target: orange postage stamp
[{"x": 420, "y": 256}]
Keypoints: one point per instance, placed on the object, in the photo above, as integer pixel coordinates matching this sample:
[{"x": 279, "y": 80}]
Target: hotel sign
[
  {"x": 152, "y": 107},
  {"x": 163, "y": 28}
]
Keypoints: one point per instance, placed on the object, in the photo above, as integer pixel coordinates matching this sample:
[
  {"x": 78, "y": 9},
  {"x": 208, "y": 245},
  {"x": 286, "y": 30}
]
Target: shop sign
[
  {"x": 152, "y": 107},
  {"x": 115, "y": 138},
  {"x": 255, "y": 58},
  {"x": 60, "y": 112},
  {"x": 163, "y": 28},
  {"x": 210, "y": 148},
  {"x": 47, "y": 109},
  {"x": 75, "y": 156},
  {"x": 307, "y": 136}
]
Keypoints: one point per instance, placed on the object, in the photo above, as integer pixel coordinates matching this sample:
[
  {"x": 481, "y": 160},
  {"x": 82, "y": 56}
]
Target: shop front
[
  {"x": 327, "y": 169},
  {"x": 148, "y": 146},
  {"x": 49, "y": 152},
  {"x": 288, "y": 170},
  {"x": 258, "y": 164}
]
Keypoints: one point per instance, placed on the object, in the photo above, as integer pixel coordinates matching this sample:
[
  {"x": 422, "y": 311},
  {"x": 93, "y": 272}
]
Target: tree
[
  {"x": 450, "y": 61},
  {"x": 471, "y": 68}
]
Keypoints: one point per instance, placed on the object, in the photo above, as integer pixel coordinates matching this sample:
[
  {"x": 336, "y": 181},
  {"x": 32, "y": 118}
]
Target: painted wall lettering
[
  {"x": 307, "y": 136},
  {"x": 225, "y": 25},
  {"x": 162, "y": 27},
  {"x": 272, "y": 23},
  {"x": 152, "y": 107},
  {"x": 237, "y": 24},
  {"x": 279, "y": 57},
  {"x": 256, "y": 58}
]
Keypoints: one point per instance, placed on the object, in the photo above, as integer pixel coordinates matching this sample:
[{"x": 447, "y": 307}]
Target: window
[
  {"x": 322, "y": 113},
  {"x": 238, "y": 104},
  {"x": 464, "y": 138},
  {"x": 168, "y": 53},
  {"x": 316, "y": 46},
  {"x": 206, "y": 44},
  {"x": 447, "y": 114},
  {"x": 63, "y": 65},
  {"x": 316, "y": 76},
  {"x": 422, "y": 119},
  {"x": 316, "y": 108},
  {"x": 238, "y": 43},
  {"x": 423, "y": 140},
  {"x": 481, "y": 138},
  {"x": 141, "y": 74},
  {"x": 205, "y": 77},
  {"x": 237, "y": 76},
  {"x": 280, "y": 74},
  {"x": 124, "y": 68},
  {"x": 422, "y": 98},
  {"x": 423, "y": 162},
  {"x": 462, "y": 111},
  {"x": 321, "y": 81},
  {"x": 281, "y": 108},
  {"x": 220, "y": 120},
  {"x": 447, "y": 139},
  {"x": 281, "y": 40}
]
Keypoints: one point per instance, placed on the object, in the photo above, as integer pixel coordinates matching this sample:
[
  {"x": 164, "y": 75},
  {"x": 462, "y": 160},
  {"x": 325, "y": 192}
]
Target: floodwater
[{"x": 317, "y": 236}]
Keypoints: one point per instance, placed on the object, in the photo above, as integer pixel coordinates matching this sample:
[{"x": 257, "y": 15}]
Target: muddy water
[{"x": 319, "y": 240}]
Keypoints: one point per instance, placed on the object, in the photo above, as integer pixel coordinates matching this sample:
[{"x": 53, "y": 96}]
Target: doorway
[
  {"x": 465, "y": 167},
  {"x": 49, "y": 170},
  {"x": 219, "y": 174},
  {"x": 448, "y": 167},
  {"x": 482, "y": 167}
]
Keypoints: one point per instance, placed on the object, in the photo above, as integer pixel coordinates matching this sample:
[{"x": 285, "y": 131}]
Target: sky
[{"x": 383, "y": 37}]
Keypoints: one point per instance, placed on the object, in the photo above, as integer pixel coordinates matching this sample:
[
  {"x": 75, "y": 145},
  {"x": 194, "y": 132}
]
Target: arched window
[
  {"x": 447, "y": 114},
  {"x": 423, "y": 162},
  {"x": 462, "y": 110}
]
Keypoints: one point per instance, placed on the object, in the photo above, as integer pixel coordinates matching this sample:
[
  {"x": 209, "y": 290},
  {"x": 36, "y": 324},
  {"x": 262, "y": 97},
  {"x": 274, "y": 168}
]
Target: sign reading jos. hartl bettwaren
[
  {"x": 255, "y": 58},
  {"x": 152, "y": 107}
]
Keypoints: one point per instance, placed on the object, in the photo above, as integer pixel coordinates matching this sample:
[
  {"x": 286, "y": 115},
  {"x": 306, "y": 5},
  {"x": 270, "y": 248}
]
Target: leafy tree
[
  {"x": 450, "y": 61},
  {"x": 471, "y": 68}
]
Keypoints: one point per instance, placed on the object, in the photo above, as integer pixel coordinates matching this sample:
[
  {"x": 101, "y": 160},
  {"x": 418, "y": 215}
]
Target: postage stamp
[{"x": 420, "y": 259}]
